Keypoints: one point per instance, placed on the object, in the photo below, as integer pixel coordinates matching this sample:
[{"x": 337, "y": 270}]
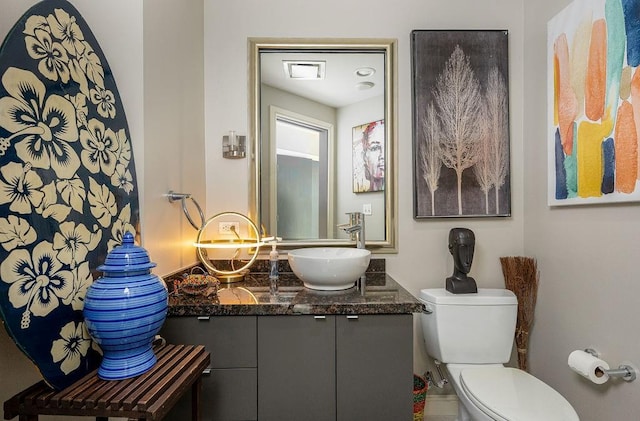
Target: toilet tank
[{"x": 474, "y": 328}]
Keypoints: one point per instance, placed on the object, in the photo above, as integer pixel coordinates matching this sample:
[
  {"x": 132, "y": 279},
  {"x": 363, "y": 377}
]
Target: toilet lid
[{"x": 511, "y": 394}]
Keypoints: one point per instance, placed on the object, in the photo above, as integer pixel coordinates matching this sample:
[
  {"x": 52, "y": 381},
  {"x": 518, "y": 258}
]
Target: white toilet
[{"x": 473, "y": 335}]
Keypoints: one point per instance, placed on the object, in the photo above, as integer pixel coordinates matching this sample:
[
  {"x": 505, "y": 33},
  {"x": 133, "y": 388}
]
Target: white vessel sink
[{"x": 329, "y": 268}]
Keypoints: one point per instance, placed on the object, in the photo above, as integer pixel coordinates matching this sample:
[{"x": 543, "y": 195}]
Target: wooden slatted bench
[{"x": 149, "y": 396}]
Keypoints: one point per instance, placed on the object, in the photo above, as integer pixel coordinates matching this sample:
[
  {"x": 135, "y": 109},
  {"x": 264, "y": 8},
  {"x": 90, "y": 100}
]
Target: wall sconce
[{"x": 234, "y": 146}]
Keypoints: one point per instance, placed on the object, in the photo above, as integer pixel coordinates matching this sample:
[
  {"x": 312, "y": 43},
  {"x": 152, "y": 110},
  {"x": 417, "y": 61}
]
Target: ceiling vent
[{"x": 304, "y": 70}]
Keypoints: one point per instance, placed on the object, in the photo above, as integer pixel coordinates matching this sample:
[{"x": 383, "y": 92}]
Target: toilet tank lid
[{"x": 484, "y": 297}]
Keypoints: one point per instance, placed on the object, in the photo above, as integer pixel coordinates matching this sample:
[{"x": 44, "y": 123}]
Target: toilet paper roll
[{"x": 589, "y": 366}]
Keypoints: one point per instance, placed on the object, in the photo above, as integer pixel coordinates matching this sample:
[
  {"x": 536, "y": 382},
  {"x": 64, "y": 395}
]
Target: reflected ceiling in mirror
[
  {"x": 340, "y": 84},
  {"x": 312, "y": 101}
]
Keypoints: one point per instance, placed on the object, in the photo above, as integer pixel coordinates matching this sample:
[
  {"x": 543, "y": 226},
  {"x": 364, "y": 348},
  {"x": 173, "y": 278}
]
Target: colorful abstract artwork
[
  {"x": 68, "y": 188},
  {"x": 461, "y": 145},
  {"x": 594, "y": 103}
]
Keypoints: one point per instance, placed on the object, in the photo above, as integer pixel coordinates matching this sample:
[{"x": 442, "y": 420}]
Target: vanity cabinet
[
  {"x": 345, "y": 368},
  {"x": 229, "y": 387},
  {"x": 301, "y": 367}
]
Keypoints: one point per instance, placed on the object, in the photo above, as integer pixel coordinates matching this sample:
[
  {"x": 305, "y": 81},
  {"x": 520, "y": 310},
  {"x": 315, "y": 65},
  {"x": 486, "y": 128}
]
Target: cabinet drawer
[{"x": 231, "y": 340}]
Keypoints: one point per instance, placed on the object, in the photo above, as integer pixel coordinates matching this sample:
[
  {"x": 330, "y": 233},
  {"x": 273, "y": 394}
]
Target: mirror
[{"x": 322, "y": 135}]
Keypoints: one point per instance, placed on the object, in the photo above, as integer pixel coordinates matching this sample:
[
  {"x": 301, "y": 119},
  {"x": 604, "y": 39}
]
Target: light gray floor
[{"x": 441, "y": 418}]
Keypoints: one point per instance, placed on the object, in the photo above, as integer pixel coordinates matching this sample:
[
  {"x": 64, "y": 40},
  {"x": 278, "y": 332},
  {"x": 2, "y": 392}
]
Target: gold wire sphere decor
[{"x": 231, "y": 240}]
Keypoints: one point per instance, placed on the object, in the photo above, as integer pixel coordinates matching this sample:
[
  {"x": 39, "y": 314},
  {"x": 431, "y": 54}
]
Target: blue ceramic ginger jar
[{"x": 124, "y": 310}]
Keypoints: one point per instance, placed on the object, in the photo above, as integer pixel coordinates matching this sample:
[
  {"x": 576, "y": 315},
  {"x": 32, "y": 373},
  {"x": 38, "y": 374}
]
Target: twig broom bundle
[{"x": 521, "y": 276}]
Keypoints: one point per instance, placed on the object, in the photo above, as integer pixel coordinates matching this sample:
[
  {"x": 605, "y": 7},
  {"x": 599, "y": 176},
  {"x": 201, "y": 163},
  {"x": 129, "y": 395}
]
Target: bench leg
[
  {"x": 28, "y": 418},
  {"x": 195, "y": 399}
]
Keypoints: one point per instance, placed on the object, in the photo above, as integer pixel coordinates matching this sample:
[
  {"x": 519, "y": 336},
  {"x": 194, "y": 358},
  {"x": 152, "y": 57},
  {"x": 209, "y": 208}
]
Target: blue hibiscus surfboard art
[{"x": 68, "y": 188}]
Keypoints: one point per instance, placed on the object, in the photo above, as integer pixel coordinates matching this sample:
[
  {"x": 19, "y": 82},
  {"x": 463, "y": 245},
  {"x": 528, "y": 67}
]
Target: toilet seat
[{"x": 505, "y": 394}]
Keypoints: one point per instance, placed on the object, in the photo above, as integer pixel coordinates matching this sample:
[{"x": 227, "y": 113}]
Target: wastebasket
[{"x": 420, "y": 387}]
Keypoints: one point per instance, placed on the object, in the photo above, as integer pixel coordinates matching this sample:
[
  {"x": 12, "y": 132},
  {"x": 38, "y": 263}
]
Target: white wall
[
  {"x": 587, "y": 257},
  {"x": 423, "y": 259},
  {"x": 174, "y": 151}
]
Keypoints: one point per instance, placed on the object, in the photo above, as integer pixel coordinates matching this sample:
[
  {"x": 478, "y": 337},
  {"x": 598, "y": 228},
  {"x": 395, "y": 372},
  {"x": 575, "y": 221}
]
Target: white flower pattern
[
  {"x": 52, "y": 55},
  {"x": 20, "y": 186},
  {"x": 91, "y": 66},
  {"x": 49, "y": 207},
  {"x": 65, "y": 28},
  {"x": 100, "y": 147},
  {"x": 73, "y": 242},
  {"x": 38, "y": 281},
  {"x": 46, "y": 124},
  {"x": 16, "y": 232},
  {"x": 122, "y": 178},
  {"x": 81, "y": 280},
  {"x": 102, "y": 202},
  {"x": 104, "y": 100},
  {"x": 120, "y": 227},
  {"x": 72, "y": 192},
  {"x": 73, "y": 344}
]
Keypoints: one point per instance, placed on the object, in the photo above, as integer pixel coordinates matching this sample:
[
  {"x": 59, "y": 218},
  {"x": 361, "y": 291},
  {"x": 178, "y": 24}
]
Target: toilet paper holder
[{"x": 625, "y": 371}]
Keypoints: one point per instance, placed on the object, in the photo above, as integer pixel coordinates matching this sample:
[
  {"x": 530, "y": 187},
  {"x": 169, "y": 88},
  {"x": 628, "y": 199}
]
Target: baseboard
[{"x": 441, "y": 405}]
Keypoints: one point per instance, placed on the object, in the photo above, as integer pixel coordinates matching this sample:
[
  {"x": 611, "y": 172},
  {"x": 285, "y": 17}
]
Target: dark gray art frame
[{"x": 465, "y": 187}]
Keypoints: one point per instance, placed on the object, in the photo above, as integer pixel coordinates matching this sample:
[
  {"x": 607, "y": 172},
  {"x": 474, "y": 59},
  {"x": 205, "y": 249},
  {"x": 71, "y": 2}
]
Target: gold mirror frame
[{"x": 388, "y": 46}]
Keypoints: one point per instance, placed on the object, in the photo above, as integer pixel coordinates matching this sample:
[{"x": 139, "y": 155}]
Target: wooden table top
[{"x": 147, "y": 397}]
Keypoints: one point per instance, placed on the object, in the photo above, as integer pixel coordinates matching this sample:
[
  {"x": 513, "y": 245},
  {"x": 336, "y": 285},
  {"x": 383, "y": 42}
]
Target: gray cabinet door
[
  {"x": 230, "y": 389},
  {"x": 374, "y": 357},
  {"x": 297, "y": 372}
]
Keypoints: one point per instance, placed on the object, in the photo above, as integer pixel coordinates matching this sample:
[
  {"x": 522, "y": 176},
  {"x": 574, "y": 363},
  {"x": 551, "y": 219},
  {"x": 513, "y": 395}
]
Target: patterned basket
[
  {"x": 420, "y": 387},
  {"x": 199, "y": 284}
]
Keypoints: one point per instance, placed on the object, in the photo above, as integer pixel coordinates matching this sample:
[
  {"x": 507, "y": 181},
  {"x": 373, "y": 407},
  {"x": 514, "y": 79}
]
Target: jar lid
[{"x": 127, "y": 257}]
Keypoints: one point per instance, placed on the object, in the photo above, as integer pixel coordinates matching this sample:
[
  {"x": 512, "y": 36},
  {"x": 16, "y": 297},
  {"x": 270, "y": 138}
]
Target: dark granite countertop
[{"x": 379, "y": 294}]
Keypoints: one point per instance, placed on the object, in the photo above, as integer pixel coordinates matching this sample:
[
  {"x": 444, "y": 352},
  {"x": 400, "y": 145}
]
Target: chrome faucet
[{"x": 355, "y": 227}]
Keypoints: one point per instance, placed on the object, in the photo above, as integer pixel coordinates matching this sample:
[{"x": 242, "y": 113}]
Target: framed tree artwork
[{"x": 460, "y": 90}]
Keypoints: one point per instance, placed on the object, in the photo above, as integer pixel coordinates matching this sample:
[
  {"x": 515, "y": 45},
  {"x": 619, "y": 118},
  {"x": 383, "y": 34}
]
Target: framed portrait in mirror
[{"x": 368, "y": 145}]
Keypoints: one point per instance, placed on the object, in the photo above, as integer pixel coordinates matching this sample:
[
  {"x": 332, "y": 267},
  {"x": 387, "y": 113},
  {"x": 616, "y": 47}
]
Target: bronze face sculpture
[{"x": 461, "y": 246}]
